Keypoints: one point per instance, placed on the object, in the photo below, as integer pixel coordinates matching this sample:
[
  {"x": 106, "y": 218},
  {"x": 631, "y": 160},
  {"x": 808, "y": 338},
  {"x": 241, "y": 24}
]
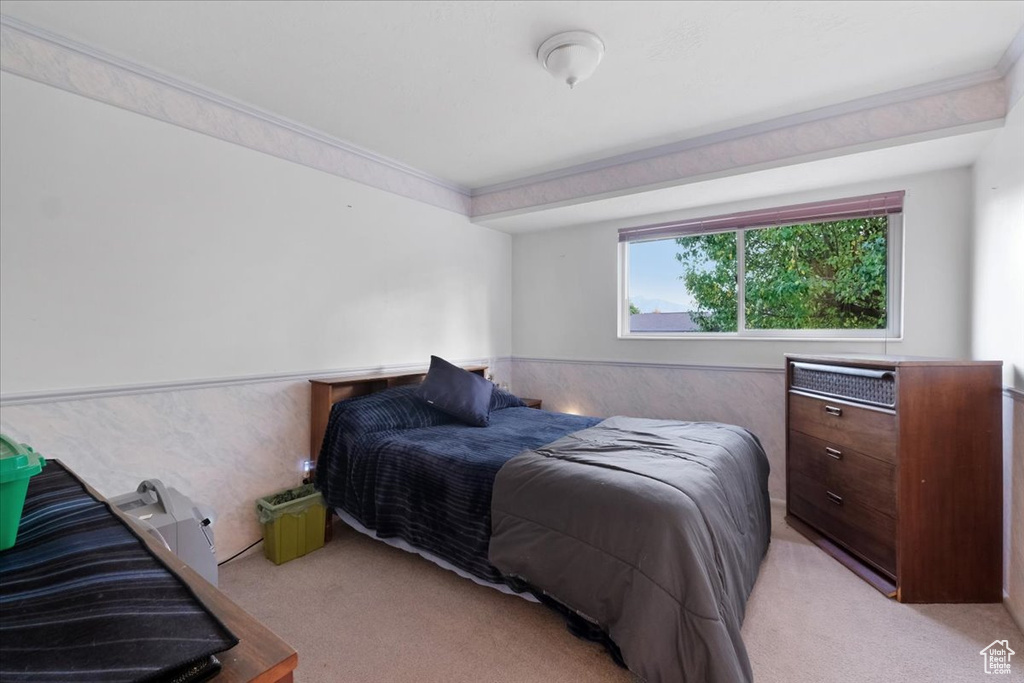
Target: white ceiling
[{"x": 454, "y": 89}]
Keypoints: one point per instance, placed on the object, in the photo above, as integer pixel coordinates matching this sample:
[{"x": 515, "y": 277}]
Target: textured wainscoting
[
  {"x": 500, "y": 370},
  {"x": 1013, "y": 504},
  {"x": 751, "y": 398},
  {"x": 223, "y": 446}
]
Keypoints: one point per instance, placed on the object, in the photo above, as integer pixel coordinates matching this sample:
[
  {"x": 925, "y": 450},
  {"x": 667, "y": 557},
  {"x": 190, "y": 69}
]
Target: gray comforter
[{"x": 652, "y": 529}]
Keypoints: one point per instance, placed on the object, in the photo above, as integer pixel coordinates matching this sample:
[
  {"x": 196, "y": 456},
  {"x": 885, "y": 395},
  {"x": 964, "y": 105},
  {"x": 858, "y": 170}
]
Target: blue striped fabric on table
[{"x": 83, "y": 599}]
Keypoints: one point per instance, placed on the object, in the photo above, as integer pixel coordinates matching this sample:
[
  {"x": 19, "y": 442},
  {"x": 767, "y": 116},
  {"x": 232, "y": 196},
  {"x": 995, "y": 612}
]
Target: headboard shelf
[{"x": 326, "y": 391}]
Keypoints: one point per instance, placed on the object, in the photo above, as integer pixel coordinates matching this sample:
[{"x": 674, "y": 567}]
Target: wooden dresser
[{"x": 894, "y": 467}]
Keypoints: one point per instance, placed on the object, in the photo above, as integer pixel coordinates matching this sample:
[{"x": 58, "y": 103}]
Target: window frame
[{"x": 894, "y": 294}]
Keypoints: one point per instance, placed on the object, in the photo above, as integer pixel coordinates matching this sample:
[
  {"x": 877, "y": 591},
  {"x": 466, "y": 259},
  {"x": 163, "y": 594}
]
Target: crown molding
[
  {"x": 60, "y": 395},
  {"x": 43, "y": 56},
  {"x": 1011, "y": 68},
  {"x": 822, "y": 113},
  {"x": 655, "y": 366},
  {"x": 927, "y": 111},
  {"x": 1012, "y": 54}
]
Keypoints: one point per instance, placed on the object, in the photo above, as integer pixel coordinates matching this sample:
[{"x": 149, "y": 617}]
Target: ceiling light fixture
[{"x": 571, "y": 56}]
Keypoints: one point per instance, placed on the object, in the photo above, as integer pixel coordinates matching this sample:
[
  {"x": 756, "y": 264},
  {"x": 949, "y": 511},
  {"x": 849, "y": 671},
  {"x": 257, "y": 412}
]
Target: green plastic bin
[
  {"x": 18, "y": 464},
  {"x": 293, "y": 523}
]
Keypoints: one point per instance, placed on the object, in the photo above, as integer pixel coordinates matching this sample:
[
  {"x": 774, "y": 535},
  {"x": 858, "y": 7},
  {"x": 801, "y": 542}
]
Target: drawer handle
[
  {"x": 833, "y": 453},
  {"x": 838, "y": 500},
  {"x": 833, "y": 410}
]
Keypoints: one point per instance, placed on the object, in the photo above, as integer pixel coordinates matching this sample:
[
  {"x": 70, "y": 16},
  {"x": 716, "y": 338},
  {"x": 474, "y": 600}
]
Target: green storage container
[
  {"x": 18, "y": 463},
  {"x": 293, "y": 523}
]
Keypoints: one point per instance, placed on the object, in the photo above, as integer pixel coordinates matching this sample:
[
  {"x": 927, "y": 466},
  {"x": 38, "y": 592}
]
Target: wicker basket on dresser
[{"x": 894, "y": 467}]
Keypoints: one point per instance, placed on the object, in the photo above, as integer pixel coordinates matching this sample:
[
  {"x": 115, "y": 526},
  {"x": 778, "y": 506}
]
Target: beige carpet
[{"x": 360, "y": 611}]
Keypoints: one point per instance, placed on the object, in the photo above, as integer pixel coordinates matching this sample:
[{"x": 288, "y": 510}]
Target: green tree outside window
[{"x": 812, "y": 276}]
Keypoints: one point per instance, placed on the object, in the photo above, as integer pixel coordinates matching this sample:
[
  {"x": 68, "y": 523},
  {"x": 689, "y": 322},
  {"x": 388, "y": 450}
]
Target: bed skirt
[{"x": 409, "y": 548}]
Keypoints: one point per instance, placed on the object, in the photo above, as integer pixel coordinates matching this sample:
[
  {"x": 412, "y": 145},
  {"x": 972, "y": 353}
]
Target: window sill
[{"x": 711, "y": 336}]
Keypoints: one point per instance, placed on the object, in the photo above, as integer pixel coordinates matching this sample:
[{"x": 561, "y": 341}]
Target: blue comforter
[{"x": 429, "y": 485}]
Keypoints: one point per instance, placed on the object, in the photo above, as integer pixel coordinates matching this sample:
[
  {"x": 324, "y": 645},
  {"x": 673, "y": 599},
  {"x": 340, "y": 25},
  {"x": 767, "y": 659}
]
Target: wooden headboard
[{"x": 328, "y": 391}]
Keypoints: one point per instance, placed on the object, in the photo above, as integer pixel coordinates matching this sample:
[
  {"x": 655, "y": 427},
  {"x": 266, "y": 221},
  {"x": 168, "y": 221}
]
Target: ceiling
[{"x": 454, "y": 89}]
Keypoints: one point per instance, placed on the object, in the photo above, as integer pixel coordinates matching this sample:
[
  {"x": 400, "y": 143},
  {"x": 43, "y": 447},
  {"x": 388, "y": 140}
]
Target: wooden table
[{"x": 260, "y": 656}]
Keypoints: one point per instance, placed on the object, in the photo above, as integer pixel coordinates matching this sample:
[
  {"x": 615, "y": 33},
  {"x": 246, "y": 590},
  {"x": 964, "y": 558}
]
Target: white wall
[
  {"x": 998, "y": 320},
  {"x": 134, "y": 252},
  {"x": 564, "y": 296},
  {"x": 564, "y": 285},
  {"x": 998, "y": 269}
]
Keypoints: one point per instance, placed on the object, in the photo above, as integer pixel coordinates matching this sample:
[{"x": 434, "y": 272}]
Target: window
[{"x": 827, "y": 269}]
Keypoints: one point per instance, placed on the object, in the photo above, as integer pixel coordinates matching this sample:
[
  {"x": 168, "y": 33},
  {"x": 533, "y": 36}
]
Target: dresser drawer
[
  {"x": 872, "y": 432},
  {"x": 861, "y": 529},
  {"x": 852, "y": 475}
]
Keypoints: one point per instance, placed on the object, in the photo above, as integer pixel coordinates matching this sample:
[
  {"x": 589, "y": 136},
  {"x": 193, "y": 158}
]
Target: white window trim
[{"x": 894, "y": 303}]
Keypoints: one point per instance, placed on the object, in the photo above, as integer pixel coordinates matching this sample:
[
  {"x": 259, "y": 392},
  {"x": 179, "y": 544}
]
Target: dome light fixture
[{"x": 571, "y": 56}]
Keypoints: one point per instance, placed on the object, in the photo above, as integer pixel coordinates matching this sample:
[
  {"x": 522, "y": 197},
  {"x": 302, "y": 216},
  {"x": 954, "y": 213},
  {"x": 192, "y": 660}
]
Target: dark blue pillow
[
  {"x": 502, "y": 399},
  {"x": 460, "y": 393},
  {"x": 395, "y": 408}
]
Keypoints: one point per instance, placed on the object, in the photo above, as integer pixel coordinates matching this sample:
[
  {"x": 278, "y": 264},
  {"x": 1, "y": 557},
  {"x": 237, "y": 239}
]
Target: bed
[{"x": 650, "y": 531}]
